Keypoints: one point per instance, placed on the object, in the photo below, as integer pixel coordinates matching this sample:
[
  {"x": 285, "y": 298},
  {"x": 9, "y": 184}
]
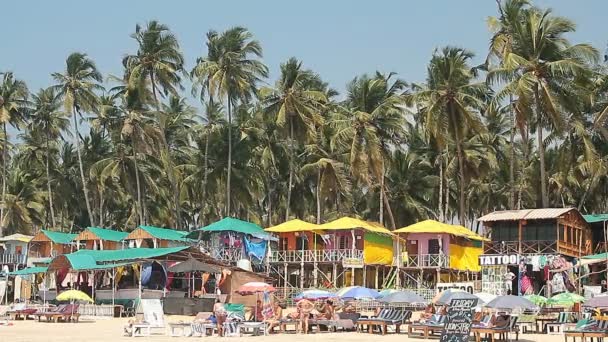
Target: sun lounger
[
  {"x": 395, "y": 317},
  {"x": 431, "y": 327},
  {"x": 588, "y": 329},
  {"x": 154, "y": 317},
  {"x": 54, "y": 314},
  {"x": 502, "y": 331},
  {"x": 558, "y": 326}
]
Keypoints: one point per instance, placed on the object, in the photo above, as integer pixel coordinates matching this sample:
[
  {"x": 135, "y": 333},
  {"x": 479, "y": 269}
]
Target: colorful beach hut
[
  {"x": 48, "y": 243},
  {"x": 155, "y": 237},
  {"x": 444, "y": 252},
  {"x": 100, "y": 239}
]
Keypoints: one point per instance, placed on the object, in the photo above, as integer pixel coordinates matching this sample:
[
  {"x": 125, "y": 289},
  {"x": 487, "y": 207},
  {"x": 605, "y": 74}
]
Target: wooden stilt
[
  {"x": 302, "y": 275},
  {"x": 365, "y": 275},
  {"x": 286, "y": 283},
  {"x": 335, "y": 274},
  {"x": 376, "y": 279},
  {"x": 352, "y": 276}
]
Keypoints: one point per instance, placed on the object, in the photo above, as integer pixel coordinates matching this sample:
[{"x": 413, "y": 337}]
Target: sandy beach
[{"x": 111, "y": 330}]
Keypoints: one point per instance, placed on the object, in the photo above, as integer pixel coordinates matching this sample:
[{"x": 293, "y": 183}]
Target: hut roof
[
  {"x": 525, "y": 214},
  {"x": 346, "y": 223},
  {"x": 160, "y": 233},
  {"x": 435, "y": 227},
  {"x": 294, "y": 225},
  {"x": 56, "y": 237},
  {"x": 102, "y": 234}
]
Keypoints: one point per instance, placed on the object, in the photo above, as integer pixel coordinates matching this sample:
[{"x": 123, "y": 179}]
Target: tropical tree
[
  {"x": 48, "y": 119},
  {"x": 159, "y": 63},
  {"x": 451, "y": 102},
  {"x": 77, "y": 86},
  {"x": 13, "y": 100},
  {"x": 230, "y": 72}
]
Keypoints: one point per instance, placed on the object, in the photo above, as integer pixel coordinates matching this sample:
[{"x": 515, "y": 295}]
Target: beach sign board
[{"x": 460, "y": 317}]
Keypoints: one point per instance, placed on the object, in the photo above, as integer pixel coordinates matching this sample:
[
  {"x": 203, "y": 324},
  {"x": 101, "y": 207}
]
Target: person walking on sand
[
  {"x": 220, "y": 316},
  {"x": 304, "y": 308}
]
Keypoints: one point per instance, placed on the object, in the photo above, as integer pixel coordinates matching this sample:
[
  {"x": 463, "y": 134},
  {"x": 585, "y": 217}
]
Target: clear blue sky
[{"x": 338, "y": 39}]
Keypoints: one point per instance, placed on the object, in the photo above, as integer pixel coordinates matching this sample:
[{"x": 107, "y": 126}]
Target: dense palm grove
[{"x": 525, "y": 129}]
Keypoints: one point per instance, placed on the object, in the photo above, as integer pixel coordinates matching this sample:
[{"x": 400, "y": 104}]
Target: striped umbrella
[
  {"x": 255, "y": 287},
  {"x": 315, "y": 294}
]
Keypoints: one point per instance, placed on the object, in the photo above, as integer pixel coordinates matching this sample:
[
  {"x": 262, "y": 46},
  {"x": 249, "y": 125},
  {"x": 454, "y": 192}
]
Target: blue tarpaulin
[{"x": 255, "y": 249}]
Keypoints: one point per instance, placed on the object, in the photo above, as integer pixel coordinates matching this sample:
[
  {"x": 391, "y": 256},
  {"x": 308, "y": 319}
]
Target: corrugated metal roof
[{"x": 525, "y": 214}]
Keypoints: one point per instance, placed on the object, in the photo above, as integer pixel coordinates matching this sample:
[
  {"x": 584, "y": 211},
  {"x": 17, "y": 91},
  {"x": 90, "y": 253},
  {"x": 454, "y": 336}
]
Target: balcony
[
  {"x": 527, "y": 247},
  {"x": 7, "y": 259},
  {"x": 425, "y": 261},
  {"x": 227, "y": 254},
  {"x": 307, "y": 256}
]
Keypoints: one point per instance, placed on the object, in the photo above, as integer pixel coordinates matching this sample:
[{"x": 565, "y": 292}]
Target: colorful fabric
[
  {"x": 465, "y": 258},
  {"x": 377, "y": 249},
  {"x": 255, "y": 249}
]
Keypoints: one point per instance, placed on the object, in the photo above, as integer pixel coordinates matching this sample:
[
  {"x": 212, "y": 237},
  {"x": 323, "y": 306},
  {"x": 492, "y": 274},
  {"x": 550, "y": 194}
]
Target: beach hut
[
  {"x": 444, "y": 252},
  {"x": 155, "y": 237},
  {"x": 46, "y": 244},
  {"x": 13, "y": 251},
  {"x": 100, "y": 238},
  {"x": 232, "y": 240}
]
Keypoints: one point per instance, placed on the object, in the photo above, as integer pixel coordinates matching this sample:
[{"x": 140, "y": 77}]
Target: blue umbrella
[
  {"x": 403, "y": 297},
  {"x": 445, "y": 297},
  {"x": 511, "y": 302},
  {"x": 358, "y": 292},
  {"x": 314, "y": 294}
]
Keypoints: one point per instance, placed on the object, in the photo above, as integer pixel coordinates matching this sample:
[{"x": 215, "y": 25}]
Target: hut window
[
  {"x": 284, "y": 243},
  {"x": 433, "y": 246},
  {"x": 302, "y": 242},
  {"x": 342, "y": 243}
]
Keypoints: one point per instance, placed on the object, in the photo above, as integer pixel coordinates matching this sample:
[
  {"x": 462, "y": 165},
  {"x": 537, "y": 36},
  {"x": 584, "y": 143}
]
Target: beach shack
[
  {"x": 155, "y": 237},
  {"x": 46, "y": 244},
  {"x": 100, "y": 239},
  {"x": 532, "y": 250},
  {"x": 234, "y": 241},
  {"x": 340, "y": 253},
  {"x": 438, "y": 253},
  {"x": 13, "y": 251}
]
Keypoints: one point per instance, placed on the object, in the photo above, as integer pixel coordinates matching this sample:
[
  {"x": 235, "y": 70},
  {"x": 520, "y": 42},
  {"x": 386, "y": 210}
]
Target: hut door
[
  {"x": 302, "y": 242},
  {"x": 433, "y": 246},
  {"x": 412, "y": 247}
]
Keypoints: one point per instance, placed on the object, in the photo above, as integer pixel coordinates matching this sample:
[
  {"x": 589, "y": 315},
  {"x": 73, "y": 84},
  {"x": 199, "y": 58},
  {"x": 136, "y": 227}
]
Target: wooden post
[
  {"x": 398, "y": 276},
  {"x": 139, "y": 281},
  {"x": 376, "y": 281},
  {"x": 352, "y": 276},
  {"x": 302, "y": 274},
  {"x": 285, "y": 280},
  {"x": 365, "y": 275},
  {"x": 335, "y": 274},
  {"x": 315, "y": 272},
  {"x": 519, "y": 234}
]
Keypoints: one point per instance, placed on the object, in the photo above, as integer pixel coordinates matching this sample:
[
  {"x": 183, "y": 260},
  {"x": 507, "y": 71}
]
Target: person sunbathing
[
  {"x": 327, "y": 310},
  {"x": 275, "y": 320}
]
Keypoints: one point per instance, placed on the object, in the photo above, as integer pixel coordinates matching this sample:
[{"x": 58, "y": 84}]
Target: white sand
[{"x": 109, "y": 330}]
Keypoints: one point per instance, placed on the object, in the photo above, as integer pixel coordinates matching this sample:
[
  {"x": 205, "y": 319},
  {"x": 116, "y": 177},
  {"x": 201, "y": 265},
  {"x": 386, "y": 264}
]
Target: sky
[{"x": 339, "y": 39}]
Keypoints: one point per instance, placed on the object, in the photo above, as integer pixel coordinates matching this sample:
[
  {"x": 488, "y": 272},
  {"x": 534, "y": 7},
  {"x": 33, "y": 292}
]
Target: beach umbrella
[
  {"x": 315, "y": 294},
  {"x": 566, "y": 299},
  {"x": 537, "y": 299},
  {"x": 254, "y": 287},
  {"x": 386, "y": 292},
  {"x": 445, "y": 297},
  {"x": 403, "y": 297},
  {"x": 485, "y": 297},
  {"x": 511, "y": 302},
  {"x": 600, "y": 301},
  {"x": 74, "y": 296},
  {"x": 357, "y": 292}
]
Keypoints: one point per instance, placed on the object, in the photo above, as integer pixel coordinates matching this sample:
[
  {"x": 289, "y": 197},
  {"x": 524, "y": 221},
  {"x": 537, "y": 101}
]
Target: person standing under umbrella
[{"x": 304, "y": 308}]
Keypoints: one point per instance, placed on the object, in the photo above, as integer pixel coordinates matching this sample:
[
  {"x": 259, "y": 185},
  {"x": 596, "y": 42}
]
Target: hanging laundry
[{"x": 255, "y": 249}]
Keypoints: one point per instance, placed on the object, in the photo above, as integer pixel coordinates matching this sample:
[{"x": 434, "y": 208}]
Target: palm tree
[
  {"x": 158, "y": 62},
  {"x": 372, "y": 125},
  {"x": 48, "y": 119},
  {"x": 77, "y": 86},
  {"x": 230, "y": 72},
  {"x": 451, "y": 103},
  {"x": 539, "y": 71},
  {"x": 24, "y": 206},
  {"x": 295, "y": 101},
  {"x": 13, "y": 100}
]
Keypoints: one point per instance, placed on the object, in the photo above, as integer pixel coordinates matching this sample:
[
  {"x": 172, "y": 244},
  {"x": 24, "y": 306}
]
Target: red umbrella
[{"x": 255, "y": 287}]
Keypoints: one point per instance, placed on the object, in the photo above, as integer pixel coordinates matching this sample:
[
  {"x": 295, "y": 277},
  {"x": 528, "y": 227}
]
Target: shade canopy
[
  {"x": 74, "y": 295},
  {"x": 435, "y": 227},
  {"x": 315, "y": 294},
  {"x": 294, "y": 225},
  {"x": 230, "y": 224},
  {"x": 29, "y": 270},
  {"x": 594, "y": 218},
  {"x": 58, "y": 237},
  {"x": 347, "y": 223},
  {"x": 357, "y": 292},
  {"x": 566, "y": 299},
  {"x": 255, "y": 287},
  {"x": 163, "y": 233},
  {"x": 193, "y": 265},
  {"x": 106, "y": 234},
  {"x": 446, "y": 297},
  {"x": 16, "y": 237},
  {"x": 537, "y": 299},
  {"x": 403, "y": 297},
  {"x": 511, "y": 302},
  {"x": 485, "y": 297}
]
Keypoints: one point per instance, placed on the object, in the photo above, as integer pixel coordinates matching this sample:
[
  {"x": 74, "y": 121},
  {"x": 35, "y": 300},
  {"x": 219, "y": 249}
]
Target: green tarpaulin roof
[
  {"x": 122, "y": 255},
  {"x": 230, "y": 224},
  {"x": 595, "y": 218},
  {"x": 108, "y": 234},
  {"x": 58, "y": 237},
  {"x": 166, "y": 234},
  {"x": 86, "y": 262},
  {"x": 596, "y": 256},
  {"x": 29, "y": 270}
]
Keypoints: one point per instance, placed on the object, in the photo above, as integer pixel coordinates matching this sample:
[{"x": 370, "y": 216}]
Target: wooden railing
[
  {"x": 600, "y": 248},
  {"x": 426, "y": 260},
  {"x": 12, "y": 259},
  {"x": 231, "y": 255},
  {"x": 527, "y": 247},
  {"x": 306, "y": 256}
]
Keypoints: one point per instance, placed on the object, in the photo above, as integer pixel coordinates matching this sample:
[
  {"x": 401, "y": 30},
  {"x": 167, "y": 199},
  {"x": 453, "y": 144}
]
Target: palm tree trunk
[
  {"x": 318, "y": 195},
  {"x": 541, "y": 149},
  {"x": 291, "y": 159},
  {"x": 381, "y": 204},
  {"x": 101, "y": 203},
  {"x": 440, "y": 188},
  {"x": 81, "y": 167},
  {"x": 48, "y": 181},
  {"x": 167, "y": 160},
  {"x": 387, "y": 204},
  {"x": 269, "y": 205},
  {"x": 205, "y": 166},
  {"x": 512, "y": 152},
  {"x": 447, "y": 185},
  {"x": 4, "y": 157},
  {"x": 229, "y": 171},
  {"x": 461, "y": 205},
  {"x": 138, "y": 185}
]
